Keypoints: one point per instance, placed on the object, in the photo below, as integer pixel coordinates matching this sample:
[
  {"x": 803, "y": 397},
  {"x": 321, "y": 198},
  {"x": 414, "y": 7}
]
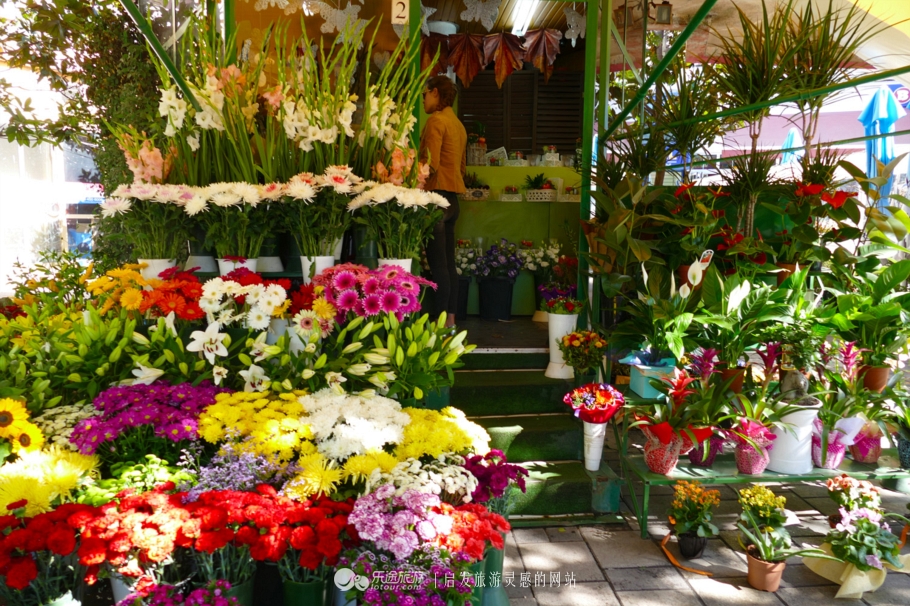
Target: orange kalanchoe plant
[{"x": 692, "y": 509}]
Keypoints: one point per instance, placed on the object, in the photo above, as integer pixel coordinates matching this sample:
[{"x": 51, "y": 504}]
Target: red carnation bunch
[
  {"x": 473, "y": 528},
  {"x": 28, "y": 545}
]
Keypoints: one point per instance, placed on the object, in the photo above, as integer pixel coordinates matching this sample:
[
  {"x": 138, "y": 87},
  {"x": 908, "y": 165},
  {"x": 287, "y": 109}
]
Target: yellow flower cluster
[
  {"x": 31, "y": 334},
  {"x": 359, "y": 467},
  {"x": 36, "y": 287},
  {"x": 317, "y": 475},
  {"x": 269, "y": 424},
  {"x": 22, "y": 434},
  {"x": 433, "y": 433},
  {"x": 44, "y": 478},
  {"x": 691, "y": 495},
  {"x": 122, "y": 285},
  {"x": 761, "y": 501}
]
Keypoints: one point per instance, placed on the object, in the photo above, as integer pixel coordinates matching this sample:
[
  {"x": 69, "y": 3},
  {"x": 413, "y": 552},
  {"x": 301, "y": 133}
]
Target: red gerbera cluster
[
  {"x": 473, "y": 527},
  {"x": 26, "y": 542},
  {"x": 178, "y": 292}
]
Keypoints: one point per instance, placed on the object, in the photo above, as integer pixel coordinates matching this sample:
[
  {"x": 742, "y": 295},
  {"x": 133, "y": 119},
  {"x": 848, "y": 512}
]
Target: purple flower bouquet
[
  {"x": 496, "y": 478},
  {"x": 137, "y": 420}
]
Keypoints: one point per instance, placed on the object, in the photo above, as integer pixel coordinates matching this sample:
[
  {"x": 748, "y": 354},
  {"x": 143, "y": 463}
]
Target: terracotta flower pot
[
  {"x": 765, "y": 576},
  {"x": 739, "y": 373},
  {"x": 875, "y": 378},
  {"x": 788, "y": 269},
  {"x": 750, "y": 461},
  {"x": 691, "y": 546}
]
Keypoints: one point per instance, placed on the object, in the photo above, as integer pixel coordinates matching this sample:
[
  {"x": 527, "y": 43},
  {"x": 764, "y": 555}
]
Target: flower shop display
[
  {"x": 475, "y": 188},
  {"x": 562, "y": 318},
  {"x": 583, "y": 350},
  {"x": 496, "y": 273},
  {"x": 510, "y": 193},
  {"x": 41, "y": 479},
  {"x": 753, "y": 443},
  {"x": 543, "y": 261},
  {"x": 838, "y": 423},
  {"x": 138, "y": 476},
  {"x": 539, "y": 189},
  {"x": 595, "y": 404},
  {"x": 792, "y": 453},
  {"x": 690, "y": 515},
  {"x": 465, "y": 265}
]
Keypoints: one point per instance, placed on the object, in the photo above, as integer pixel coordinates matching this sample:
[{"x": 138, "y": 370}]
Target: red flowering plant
[
  {"x": 670, "y": 417},
  {"x": 37, "y": 554},
  {"x": 696, "y": 213},
  {"x": 474, "y": 527},
  {"x": 595, "y": 402},
  {"x": 563, "y": 306},
  {"x": 496, "y": 480},
  {"x": 176, "y": 292}
]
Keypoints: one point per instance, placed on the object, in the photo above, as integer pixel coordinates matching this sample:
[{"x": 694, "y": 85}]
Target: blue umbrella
[
  {"x": 878, "y": 118},
  {"x": 794, "y": 139}
]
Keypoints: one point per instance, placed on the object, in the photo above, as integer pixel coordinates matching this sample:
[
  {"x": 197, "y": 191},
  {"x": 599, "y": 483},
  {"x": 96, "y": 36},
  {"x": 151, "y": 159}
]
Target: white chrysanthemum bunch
[
  {"x": 57, "y": 423},
  {"x": 261, "y": 302},
  {"x": 543, "y": 258},
  {"x": 465, "y": 261},
  {"x": 344, "y": 425},
  {"x": 444, "y": 476}
]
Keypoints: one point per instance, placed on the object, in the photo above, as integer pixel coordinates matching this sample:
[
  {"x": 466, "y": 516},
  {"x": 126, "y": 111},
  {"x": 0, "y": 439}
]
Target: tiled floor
[{"x": 613, "y": 566}]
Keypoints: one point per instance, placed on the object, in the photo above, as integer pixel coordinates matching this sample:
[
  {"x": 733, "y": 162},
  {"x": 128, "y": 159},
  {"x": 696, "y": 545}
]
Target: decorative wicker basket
[
  {"x": 473, "y": 193},
  {"x": 517, "y": 163},
  {"x": 564, "y": 197},
  {"x": 476, "y": 155},
  {"x": 540, "y": 195},
  {"x": 510, "y": 197}
]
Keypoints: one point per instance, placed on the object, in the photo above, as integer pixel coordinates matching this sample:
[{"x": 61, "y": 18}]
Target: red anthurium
[
  {"x": 838, "y": 199},
  {"x": 683, "y": 191},
  {"x": 809, "y": 189}
]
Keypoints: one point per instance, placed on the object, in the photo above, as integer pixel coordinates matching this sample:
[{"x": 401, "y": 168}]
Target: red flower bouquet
[
  {"x": 595, "y": 402},
  {"x": 35, "y": 555},
  {"x": 473, "y": 528}
]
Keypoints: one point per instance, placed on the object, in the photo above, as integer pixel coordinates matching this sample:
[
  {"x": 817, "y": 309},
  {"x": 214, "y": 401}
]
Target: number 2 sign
[{"x": 400, "y": 11}]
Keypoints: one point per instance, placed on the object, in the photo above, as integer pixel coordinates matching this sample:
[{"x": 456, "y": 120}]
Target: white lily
[
  {"x": 168, "y": 324},
  {"x": 255, "y": 379},
  {"x": 219, "y": 373},
  {"x": 145, "y": 375},
  {"x": 210, "y": 342},
  {"x": 358, "y": 370}
]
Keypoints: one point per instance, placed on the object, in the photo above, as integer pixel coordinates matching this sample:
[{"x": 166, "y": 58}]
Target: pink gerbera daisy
[
  {"x": 390, "y": 272},
  {"x": 407, "y": 304},
  {"x": 391, "y": 301},
  {"x": 347, "y": 300},
  {"x": 407, "y": 285},
  {"x": 344, "y": 281},
  {"x": 371, "y": 286},
  {"x": 372, "y": 305}
]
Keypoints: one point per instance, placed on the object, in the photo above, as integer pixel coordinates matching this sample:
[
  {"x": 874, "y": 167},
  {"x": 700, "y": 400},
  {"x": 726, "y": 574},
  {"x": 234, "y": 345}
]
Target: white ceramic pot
[
  {"x": 155, "y": 266},
  {"x": 405, "y": 263},
  {"x": 206, "y": 264},
  {"x": 225, "y": 267},
  {"x": 792, "y": 452},
  {"x": 280, "y": 326},
  {"x": 540, "y": 316},
  {"x": 120, "y": 588},
  {"x": 321, "y": 263},
  {"x": 269, "y": 264},
  {"x": 594, "y": 444},
  {"x": 558, "y": 326}
]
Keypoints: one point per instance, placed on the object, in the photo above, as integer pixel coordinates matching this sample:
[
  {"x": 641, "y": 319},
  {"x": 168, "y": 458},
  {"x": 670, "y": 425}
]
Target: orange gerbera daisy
[
  {"x": 150, "y": 299},
  {"x": 172, "y": 302},
  {"x": 191, "y": 290}
]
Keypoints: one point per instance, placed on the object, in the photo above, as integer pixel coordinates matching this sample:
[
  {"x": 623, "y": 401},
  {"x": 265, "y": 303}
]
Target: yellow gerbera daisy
[
  {"x": 324, "y": 309},
  {"x": 131, "y": 299}
]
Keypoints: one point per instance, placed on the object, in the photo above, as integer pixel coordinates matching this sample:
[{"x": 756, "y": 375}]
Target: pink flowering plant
[
  {"x": 136, "y": 420},
  {"x": 863, "y": 538},
  {"x": 496, "y": 480},
  {"x": 851, "y": 493},
  {"x": 213, "y": 594}
]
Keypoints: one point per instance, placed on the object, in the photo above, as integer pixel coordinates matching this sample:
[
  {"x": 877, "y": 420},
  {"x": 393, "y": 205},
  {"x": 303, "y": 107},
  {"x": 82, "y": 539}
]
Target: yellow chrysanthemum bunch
[
  {"x": 121, "y": 286},
  {"x": 15, "y": 426},
  {"x": 433, "y": 433},
  {"x": 44, "y": 478},
  {"x": 265, "y": 423},
  {"x": 359, "y": 467},
  {"x": 317, "y": 475}
]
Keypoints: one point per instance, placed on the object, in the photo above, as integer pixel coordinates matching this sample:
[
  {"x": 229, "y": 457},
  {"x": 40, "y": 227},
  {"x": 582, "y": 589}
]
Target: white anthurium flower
[
  {"x": 255, "y": 379},
  {"x": 672, "y": 285},
  {"x": 684, "y": 291},
  {"x": 145, "y": 375},
  {"x": 696, "y": 272},
  {"x": 210, "y": 342},
  {"x": 644, "y": 275},
  {"x": 219, "y": 373}
]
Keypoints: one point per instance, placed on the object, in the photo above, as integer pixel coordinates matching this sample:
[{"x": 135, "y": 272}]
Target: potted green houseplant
[{"x": 690, "y": 517}]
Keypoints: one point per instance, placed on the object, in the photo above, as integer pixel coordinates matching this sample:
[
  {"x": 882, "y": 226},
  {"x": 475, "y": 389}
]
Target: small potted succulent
[{"x": 690, "y": 517}]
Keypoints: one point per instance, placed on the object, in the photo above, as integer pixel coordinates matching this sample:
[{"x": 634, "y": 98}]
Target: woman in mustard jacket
[{"x": 443, "y": 145}]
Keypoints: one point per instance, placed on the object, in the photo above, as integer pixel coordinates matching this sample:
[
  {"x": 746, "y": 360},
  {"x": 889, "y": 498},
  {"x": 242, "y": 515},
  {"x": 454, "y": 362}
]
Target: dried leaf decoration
[
  {"x": 543, "y": 46},
  {"x": 466, "y": 56},
  {"x": 428, "y": 47},
  {"x": 506, "y": 51}
]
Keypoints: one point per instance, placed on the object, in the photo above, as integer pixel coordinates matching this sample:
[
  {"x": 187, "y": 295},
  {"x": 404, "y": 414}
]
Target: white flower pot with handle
[
  {"x": 155, "y": 266},
  {"x": 594, "y": 444},
  {"x": 225, "y": 266},
  {"x": 792, "y": 452},
  {"x": 559, "y": 325},
  {"x": 405, "y": 263},
  {"x": 321, "y": 263},
  {"x": 205, "y": 263}
]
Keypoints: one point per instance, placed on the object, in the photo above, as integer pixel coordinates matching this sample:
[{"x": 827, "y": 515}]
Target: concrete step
[
  {"x": 508, "y": 392},
  {"x": 551, "y": 437}
]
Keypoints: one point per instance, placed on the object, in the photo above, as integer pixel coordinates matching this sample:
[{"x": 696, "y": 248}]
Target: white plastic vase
[
  {"x": 270, "y": 264},
  {"x": 155, "y": 267},
  {"x": 559, "y": 325},
  {"x": 280, "y": 326},
  {"x": 594, "y": 444},
  {"x": 540, "y": 316},
  {"x": 205, "y": 263},
  {"x": 225, "y": 267},
  {"x": 322, "y": 263},
  {"x": 792, "y": 452},
  {"x": 405, "y": 263}
]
